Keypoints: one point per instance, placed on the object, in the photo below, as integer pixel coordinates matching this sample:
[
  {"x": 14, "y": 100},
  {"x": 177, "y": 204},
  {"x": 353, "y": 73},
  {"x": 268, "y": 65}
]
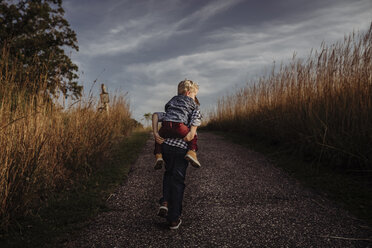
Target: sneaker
[
  {"x": 191, "y": 157},
  {"x": 163, "y": 211},
  {"x": 175, "y": 225},
  {"x": 159, "y": 161}
]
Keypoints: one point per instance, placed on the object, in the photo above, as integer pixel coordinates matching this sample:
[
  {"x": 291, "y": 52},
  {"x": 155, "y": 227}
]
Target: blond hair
[{"x": 187, "y": 85}]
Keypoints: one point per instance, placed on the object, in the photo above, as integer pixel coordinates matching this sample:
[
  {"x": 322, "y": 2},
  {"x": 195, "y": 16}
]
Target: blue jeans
[{"x": 174, "y": 180}]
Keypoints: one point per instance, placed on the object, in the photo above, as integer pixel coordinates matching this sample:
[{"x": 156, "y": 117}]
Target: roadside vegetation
[
  {"x": 67, "y": 212},
  {"x": 320, "y": 106},
  {"x": 47, "y": 145},
  {"x": 61, "y": 153},
  {"x": 318, "y": 109}
]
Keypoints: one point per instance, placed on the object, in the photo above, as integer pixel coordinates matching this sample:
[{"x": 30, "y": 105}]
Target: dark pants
[
  {"x": 174, "y": 180},
  {"x": 171, "y": 129}
]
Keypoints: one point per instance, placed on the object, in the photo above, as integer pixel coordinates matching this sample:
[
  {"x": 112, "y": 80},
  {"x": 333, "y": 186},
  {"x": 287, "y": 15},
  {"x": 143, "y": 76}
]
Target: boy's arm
[
  {"x": 196, "y": 117},
  {"x": 155, "y": 121},
  {"x": 195, "y": 122},
  {"x": 191, "y": 134}
]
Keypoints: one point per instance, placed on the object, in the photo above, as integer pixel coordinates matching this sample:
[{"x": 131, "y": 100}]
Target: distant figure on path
[{"x": 176, "y": 144}]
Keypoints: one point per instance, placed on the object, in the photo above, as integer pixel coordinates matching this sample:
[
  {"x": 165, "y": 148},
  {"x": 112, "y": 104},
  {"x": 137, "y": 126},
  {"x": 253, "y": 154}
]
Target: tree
[{"x": 35, "y": 31}]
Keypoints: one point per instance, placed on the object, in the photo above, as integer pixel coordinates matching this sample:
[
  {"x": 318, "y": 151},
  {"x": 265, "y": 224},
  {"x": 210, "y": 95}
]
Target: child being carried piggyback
[{"x": 180, "y": 121}]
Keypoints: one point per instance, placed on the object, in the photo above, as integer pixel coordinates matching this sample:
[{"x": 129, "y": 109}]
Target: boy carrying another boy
[
  {"x": 180, "y": 121},
  {"x": 176, "y": 146}
]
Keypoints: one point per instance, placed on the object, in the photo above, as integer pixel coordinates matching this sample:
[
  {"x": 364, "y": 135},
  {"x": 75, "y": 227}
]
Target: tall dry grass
[
  {"x": 320, "y": 106},
  {"x": 43, "y": 147}
]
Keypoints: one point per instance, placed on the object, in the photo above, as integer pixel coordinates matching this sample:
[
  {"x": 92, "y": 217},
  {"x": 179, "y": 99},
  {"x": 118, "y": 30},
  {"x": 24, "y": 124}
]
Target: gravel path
[{"x": 237, "y": 199}]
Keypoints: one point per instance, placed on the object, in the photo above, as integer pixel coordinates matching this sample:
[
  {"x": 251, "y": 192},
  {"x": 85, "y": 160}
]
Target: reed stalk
[
  {"x": 320, "y": 106},
  {"x": 44, "y": 147}
]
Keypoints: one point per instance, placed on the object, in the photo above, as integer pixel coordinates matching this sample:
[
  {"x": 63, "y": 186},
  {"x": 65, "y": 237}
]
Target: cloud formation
[{"x": 147, "y": 47}]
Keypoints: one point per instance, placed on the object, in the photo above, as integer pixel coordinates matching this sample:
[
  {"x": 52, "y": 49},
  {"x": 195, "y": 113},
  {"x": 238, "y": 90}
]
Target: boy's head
[{"x": 187, "y": 86}]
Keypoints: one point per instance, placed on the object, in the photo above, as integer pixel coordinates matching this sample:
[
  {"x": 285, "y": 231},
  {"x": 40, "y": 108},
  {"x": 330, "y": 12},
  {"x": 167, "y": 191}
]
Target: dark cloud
[{"x": 147, "y": 47}]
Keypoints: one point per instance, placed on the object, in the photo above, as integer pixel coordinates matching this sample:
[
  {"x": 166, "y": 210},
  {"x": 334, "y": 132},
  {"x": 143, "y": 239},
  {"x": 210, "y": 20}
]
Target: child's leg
[
  {"x": 193, "y": 145},
  {"x": 157, "y": 149},
  {"x": 163, "y": 133},
  {"x": 171, "y": 130},
  {"x": 191, "y": 153},
  {"x": 175, "y": 130}
]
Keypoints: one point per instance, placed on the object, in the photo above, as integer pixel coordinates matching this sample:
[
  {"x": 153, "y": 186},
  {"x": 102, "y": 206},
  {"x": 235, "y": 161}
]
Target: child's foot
[
  {"x": 191, "y": 157},
  {"x": 163, "y": 210},
  {"x": 159, "y": 161}
]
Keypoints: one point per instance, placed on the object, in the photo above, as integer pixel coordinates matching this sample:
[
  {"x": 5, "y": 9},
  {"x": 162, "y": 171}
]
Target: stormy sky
[{"x": 145, "y": 47}]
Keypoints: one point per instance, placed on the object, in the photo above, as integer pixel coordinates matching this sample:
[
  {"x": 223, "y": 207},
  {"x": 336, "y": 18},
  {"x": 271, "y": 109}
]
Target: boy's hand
[
  {"x": 189, "y": 136},
  {"x": 158, "y": 138}
]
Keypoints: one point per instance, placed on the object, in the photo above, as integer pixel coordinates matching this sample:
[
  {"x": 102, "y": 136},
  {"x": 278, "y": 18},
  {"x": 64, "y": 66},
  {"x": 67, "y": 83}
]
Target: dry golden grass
[
  {"x": 320, "y": 106},
  {"x": 44, "y": 147}
]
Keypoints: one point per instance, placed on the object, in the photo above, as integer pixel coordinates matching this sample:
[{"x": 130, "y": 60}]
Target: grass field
[
  {"x": 49, "y": 145},
  {"x": 67, "y": 212},
  {"x": 319, "y": 106}
]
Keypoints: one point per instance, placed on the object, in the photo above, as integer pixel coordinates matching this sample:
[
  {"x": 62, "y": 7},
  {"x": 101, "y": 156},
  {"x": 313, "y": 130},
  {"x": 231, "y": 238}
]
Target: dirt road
[{"x": 237, "y": 199}]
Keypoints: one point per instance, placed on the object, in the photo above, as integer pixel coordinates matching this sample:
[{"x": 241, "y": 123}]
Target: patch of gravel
[{"x": 237, "y": 199}]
